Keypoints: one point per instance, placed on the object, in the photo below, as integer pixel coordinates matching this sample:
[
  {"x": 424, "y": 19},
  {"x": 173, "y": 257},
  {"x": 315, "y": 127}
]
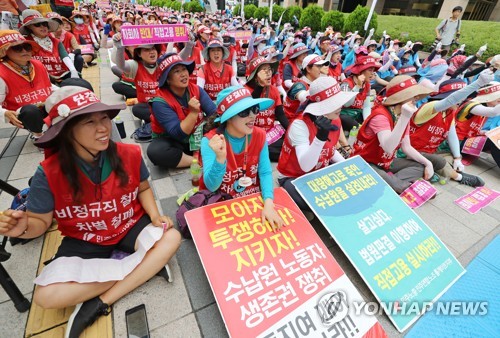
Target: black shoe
[
  {"x": 85, "y": 314},
  {"x": 471, "y": 180},
  {"x": 166, "y": 273}
]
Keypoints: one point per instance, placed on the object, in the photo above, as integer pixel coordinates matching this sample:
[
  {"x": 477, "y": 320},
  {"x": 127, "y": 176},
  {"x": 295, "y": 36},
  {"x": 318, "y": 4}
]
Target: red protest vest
[
  {"x": 66, "y": 41},
  {"x": 83, "y": 31},
  {"x": 288, "y": 164},
  {"x": 359, "y": 101},
  {"x": 232, "y": 52},
  {"x": 21, "y": 92},
  {"x": 290, "y": 106},
  {"x": 235, "y": 162},
  {"x": 241, "y": 52},
  {"x": 295, "y": 71},
  {"x": 265, "y": 119},
  {"x": 181, "y": 111},
  {"x": 65, "y": 3},
  {"x": 146, "y": 84},
  {"x": 215, "y": 83},
  {"x": 335, "y": 71},
  {"x": 368, "y": 147},
  {"x": 472, "y": 124},
  {"x": 281, "y": 66},
  {"x": 51, "y": 59},
  {"x": 428, "y": 136},
  {"x": 196, "y": 57},
  {"x": 105, "y": 221}
]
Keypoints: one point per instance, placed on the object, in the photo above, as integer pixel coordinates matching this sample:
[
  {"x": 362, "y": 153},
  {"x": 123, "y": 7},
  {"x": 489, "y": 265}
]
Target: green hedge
[
  {"x": 334, "y": 19},
  {"x": 261, "y": 13},
  {"x": 249, "y": 11},
  {"x": 310, "y": 17}
]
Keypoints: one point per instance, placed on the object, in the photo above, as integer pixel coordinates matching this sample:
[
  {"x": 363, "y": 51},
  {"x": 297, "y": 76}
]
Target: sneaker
[
  {"x": 85, "y": 314},
  {"x": 471, "y": 180}
]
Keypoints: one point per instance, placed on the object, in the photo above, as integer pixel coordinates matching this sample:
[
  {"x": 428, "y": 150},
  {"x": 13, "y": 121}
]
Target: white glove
[
  {"x": 408, "y": 109},
  {"x": 391, "y": 44},
  {"x": 393, "y": 56},
  {"x": 74, "y": 74},
  {"x": 439, "y": 45},
  {"x": 495, "y": 60},
  {"x": 485, "y": 77},
  {"x": 482, "y": 49},
  {"x": 458, "y": 165},
  {"x": 355, "y": 33},
  {"x": 372, "y": 31},
  {"x": 384, "y": 33},
  {"x": 291, "y": 39},
  {"x": 408, "y": 44},
  {"x": 356, "y": 46},
  {"x": 462, "y": 47}
]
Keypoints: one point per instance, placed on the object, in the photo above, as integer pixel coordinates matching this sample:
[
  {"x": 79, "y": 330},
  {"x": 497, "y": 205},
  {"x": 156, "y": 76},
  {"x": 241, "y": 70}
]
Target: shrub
[
  {"x": 334, "y": 19},
  {"x": 356, "y": 20},
  {"x": 261, "y": 13},
  {"x": 176, "y": 5},
  {"x": 186, "y": 6},
  {"x": 277, "y": 11},
  {"x": 311, "y": 17},
  {"x": 249, "y": 11},
  {"x": 195, "y": 7},
  {"x": 290, "y": 12},
  {"x": 237, "y": 10}
]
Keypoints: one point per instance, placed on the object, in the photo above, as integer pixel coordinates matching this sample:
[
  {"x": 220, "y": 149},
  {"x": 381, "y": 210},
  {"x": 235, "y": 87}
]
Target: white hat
[
  {"x": 313, "y": 59},
  {"x": 326, "y": 97}
]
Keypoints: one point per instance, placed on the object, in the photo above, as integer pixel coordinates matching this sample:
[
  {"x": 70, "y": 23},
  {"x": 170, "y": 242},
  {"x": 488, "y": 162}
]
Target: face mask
[
  {"x": 78, "y": 21},
  {"x": 497, "y": 76},
  {"x": 260, "y": 47},
  {"x": 290, "y": 34}
]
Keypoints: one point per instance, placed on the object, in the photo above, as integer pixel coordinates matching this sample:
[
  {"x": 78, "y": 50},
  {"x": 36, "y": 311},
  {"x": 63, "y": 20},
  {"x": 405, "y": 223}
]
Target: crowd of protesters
[{"x": 284, "y": 95}]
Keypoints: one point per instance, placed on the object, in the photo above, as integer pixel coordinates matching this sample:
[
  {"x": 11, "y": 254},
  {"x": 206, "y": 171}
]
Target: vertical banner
[
  {"x": 400, "y": 258},
  {"x": 275, "y": 284}
]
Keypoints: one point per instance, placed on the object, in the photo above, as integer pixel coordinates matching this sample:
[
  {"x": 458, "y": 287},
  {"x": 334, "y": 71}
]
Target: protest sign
[
  {"x": 87, "y": 49},
  {"x": 240, "y": 35},
  {"x": 494, "y": 136},
  {"x": 418, "y": 193},
  {"x": 275, "y": 284},
  {"x": 477, "y": 199},
  {"x": 401, "y": 260},
  {"x": 153, "y": 34},
  {"x": 474, "y": 145}
]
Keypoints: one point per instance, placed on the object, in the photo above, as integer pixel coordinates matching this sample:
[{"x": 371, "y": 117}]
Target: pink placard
[
  {"x": 474, "y": 145},
  {"x": 241, "y": 35},
  {"x": 418, "y": 193},
  {"x": 477, "y": 199},
  {"x": 274, "y": 133},
  {"x": 87, "y": 49},
  {"x": 153, "y": 34}
]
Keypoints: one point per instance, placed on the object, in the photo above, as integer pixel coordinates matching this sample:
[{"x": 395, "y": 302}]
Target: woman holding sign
[{"x": 235, "y": 156}]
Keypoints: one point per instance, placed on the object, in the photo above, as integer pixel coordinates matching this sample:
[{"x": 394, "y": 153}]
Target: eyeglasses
[
  {"x": 39, "y": 24},
  {"x": 266, "y": 70},
  {"x": 254, "y": 110},
  {"x": 19, "y": 48}
]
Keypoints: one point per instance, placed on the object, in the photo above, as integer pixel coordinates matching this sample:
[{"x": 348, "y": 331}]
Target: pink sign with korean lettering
[
  {"x": 477, "y": 199},
  {"x": 274, "y": 284},
  {"x": 418, "y": 193},
  {"x": 474, "y": 145},
  {"x": 153, "y": 34}
]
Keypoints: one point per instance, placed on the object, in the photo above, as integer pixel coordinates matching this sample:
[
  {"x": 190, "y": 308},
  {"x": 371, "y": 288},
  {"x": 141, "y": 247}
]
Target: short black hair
[{"x": 457, "y": 8}]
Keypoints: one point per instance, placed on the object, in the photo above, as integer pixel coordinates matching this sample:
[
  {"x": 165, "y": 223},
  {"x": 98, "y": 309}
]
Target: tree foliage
[
  {"x": 277, "y": 11},
  {"x": 290, "y": 12},
  {"x": 311, "y": 17},
  {"x": 261, "y": 13},
  {"x": 334, "y": 19},
  {"x": 250, "y": 11},
  {"x": 356, "y": 20}
]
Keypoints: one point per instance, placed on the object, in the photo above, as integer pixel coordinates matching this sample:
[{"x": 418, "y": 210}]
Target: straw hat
[
  {"x": 489, "y": 93},
  {"x": 254, "y": 65},
  {"x": 299, "y": 49},
  {"x": 403, "y": 88},
  {"x": 10, "y": 38},
  {"x": 215, "y": 44},
  {"x": 235, "y": 99},
  {"x": 325, "y": 96},
  {"x": 31, "y": 17}
]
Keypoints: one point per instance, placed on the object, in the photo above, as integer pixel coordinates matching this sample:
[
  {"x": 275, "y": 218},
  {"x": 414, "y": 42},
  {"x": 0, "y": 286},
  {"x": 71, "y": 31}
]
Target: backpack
[
  {"x": 199, "y": 199},
  {"x": 142, "y": 134}
]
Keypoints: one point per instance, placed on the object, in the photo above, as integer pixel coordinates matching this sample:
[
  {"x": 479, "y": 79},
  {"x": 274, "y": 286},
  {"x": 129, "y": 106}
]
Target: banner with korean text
[
  {"x": 275, "y": 284},
  {"x": 153, "y": 34},
  {"x": 399, "y": 257}
]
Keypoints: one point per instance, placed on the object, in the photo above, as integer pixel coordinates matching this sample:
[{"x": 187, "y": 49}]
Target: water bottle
[
  {"x": 121, "y": 127},
  {"x": 195, "y": 173},
  {"x": 353, "y": 134}
]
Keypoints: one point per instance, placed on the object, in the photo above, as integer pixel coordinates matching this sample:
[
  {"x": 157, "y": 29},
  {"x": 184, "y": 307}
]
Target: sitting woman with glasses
[
  {"x": 234, "y": 154},
  {"x": 24, "y": 83},
  {"x": 51, "y": 52}
]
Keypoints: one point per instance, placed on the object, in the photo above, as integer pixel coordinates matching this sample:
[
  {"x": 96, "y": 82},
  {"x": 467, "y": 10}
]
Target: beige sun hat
[
  {"x": 403, "y": 88},
  {"x": 325, "y": 96},
  {"x": 32, "y": 17}
]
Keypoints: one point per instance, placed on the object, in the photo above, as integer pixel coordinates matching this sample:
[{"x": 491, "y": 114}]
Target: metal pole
[{"x": 20, "y": 302}]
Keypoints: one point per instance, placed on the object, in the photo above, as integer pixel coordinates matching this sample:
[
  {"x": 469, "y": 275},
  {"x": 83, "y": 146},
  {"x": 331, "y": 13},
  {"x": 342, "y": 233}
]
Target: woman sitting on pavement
[
  {"x": 178, "y": 114},
  {"x": 235, "y": 155},
  {"x": 311, "y": 138},
  {"x": 51, "y": 52},
  {"x": 98, "y": 192},
  {"x": 24, "y": 83},
  {"x": 215, "y": 74}
]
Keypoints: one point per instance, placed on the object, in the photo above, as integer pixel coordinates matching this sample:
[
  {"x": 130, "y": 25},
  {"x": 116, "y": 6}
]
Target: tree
[
  {"x": 277, "y": 11},
  {"x": 261, "y": 13},
  {"x": 237, "y": 10},
  {"x": 249, "y": 11},
  {"x": 195, "y": 7},
  {"x": 176, "y": 5},
  {"x": 290, "y": 12},
  {"x": 356, "y": 20},
  {"x": 186, "y": 6},
  {"x": 310, "y": 17},
  {"x": 334, "y": 19}
]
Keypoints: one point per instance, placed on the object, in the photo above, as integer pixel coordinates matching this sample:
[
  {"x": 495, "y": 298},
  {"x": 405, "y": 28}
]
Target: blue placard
[{"x": 400, "y": 258}]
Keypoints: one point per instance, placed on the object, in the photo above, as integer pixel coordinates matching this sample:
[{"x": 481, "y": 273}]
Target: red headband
[
  {"x": 488, "y": 90},
  {"x": 325, "y": 94},
  {"x": 407, "y": 70},
  {"x": 31, "y": 17},
  {"x": 11, "y": 38},
  {"x": 256, "y": 63},
  {"x": 316, "y": 59},
  {"x": 451, "y": 86},
  {"x": 234, "y": 97},
  {"x": 168, "y": 62},
  {"x": 65, "y": 107},
  {"x": 401, "y": 86},
  {"x": 299, "y": 49}
]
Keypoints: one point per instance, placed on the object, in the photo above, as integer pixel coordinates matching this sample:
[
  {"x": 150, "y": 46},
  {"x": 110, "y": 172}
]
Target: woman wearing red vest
[
  {"x": 335, "y": 68},
  {"x": 310, "y": 140},
  {"x": 178, "y": 114},
  {"x": 235, "y": 156},
  {"x": 215, "y": 74},
  {"x": 51, "y": 52},
  {"x": 84, "y": 33},
  {"x": 387, "y": 129},
  {"x": 24, "y": 83},
  {"x": 358, "y": 82},
  {"x": 291, "y": 70},
  {"x": 99, "y": 194}
]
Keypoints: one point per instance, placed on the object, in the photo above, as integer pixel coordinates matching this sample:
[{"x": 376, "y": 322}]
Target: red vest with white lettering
[
  {"x": 146, "y": 84},
  {"x": 215, "y": 83},
  {"x": 428, "y": 136},
  {"x": 182, "y": 112},
  {"x": 21, "y": 92},
  {"x": 295, "y": 71},
  {"x": 65, "y": 3},
  {"x": 232, "y": 53},
  {"x": 83, "y": 31},
  {"x": 335, "y": 71},
  {"x": 105, "y": 221},
  {"x": 471, "y": 126},
  {"x": 288, "y": 164},
  {"x": 67, "y": 41},
  {"x": 368, "y": 147},
  {"x": 234, "y": 164},
  {"x": 196, "y": 57},
  {"x": 265, "y": 119},
  {"x": 359, "y": 101},
  {"x": 291, "y": 106},
  {"x": 51, "y": 60},
  {"x": 240, "y": 52}
]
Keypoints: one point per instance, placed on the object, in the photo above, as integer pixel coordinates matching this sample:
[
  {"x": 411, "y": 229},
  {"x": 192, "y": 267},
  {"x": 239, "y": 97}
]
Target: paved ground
[{"x": 186, "y": 307}]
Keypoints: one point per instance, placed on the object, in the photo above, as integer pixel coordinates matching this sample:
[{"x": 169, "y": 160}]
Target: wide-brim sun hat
[
  {"x": 447, "y": 88},
  {"x": 325, "y": 96},
  {"x": 10, "y": 38},
  {"x": 313, "y": 59},
  {"x": 65, "y": 104},
  {"x": 299, "y": 49},
  {"x": 254, "y": 65},
  {"x": 214, "y": 44},
  {"x": 364, "y": 63},
  {"x": 334, "y": 48},
  {"x": 31, "y": 17},
  {"x": 489, "y": 93},
  {"x": 403, "y": 88},
  {"x": 169, "y": 60},
  {"x": 267, "y": 52},
  {"x": 204, "y": 29},
  {"x": 258, "y": 39},
  {"x": 235, "y": 99}
]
